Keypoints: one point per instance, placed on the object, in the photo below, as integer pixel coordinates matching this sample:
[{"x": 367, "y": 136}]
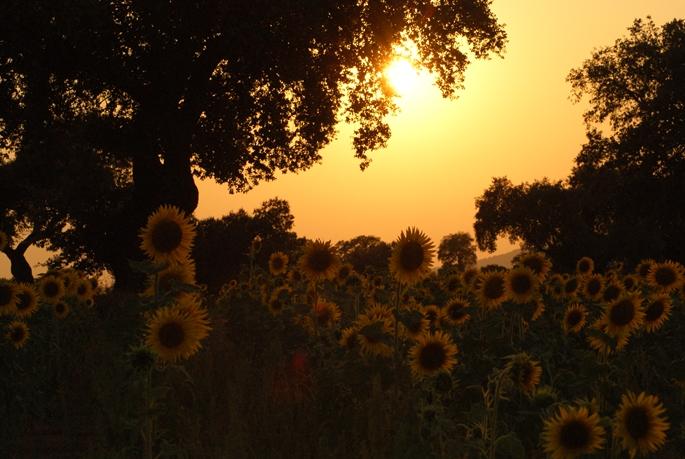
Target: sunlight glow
[{"x": 402, "y": 76}]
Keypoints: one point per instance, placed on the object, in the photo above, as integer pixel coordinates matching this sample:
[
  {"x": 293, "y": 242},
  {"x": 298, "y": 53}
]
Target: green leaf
[{"x": 510, "y": 446}]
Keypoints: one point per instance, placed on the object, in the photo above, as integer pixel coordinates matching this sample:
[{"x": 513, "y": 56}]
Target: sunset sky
[{"x": 513, "y": 118}]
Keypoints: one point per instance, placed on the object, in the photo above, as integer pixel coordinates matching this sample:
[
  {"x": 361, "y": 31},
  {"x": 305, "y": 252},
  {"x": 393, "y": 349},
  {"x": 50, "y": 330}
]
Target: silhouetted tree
[
  {"x": 162, "y": 92},
  {"x": 624, "y": 198},
  {"x": 457, "y": 251},
  {"x": 367, "y": 254}
]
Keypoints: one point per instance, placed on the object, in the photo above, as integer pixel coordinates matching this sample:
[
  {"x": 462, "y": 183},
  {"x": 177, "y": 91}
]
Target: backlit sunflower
[
  {"x": 326, "y": 314},
  {"x": 585, "y": 266},
  {"x": 624, "y": 315},
  {"x": 643, "y": 267},
  {"x": 592, "y": 287},
  {"x": 572, "y": 432},
  {"x": 536, "y": 262},
  {"x": 603, "y": 343},
  {"x": 83, "y": 290},
  {"x": 657, "y": 309},
  {"x": 631, "y": 282},
  {"x": 27, "y": 300},
  {"x": 452, "y": 284},
  {"x": 278, "y": 263},
  {"x": 666, "y": 276},
  {"x": 168, "y": 235},
  {"x": 574, "y": 318},
  {"x": 348, "y": 338},
  {"x": 492, "y": 291},
  {"x": 17, "y": 333},
  {"x": 173, "y": 335},
  {"x": 373, "y": 336},
  {"x": 524, "y": 372},
  {"x": 4, "y": 240},
  {"x": 61, "y": 310},
  {"x": 169, "y": 280},
  {"x": 522, "y": 284},
  {"x": 469, "y": 277},
  {"x": 69, "y": 279},
  {"x": 571, "y": 286},
  {"x": 344, "y": 271},
  {"x": 640, "y": 424},
  {"x": 379, "y": 311},
  {"x": 280, "y": 298},
  {"x": 432, "y": 354},
  {"x": 612, "y": 291},
  {"x": 319, "y": 261},
  {"x": 50, "y": 289},
  {"x": 432, "y": 313},
  {"x": 455, "y": 311},
  {"x": 8, "y": 298},
  {"x": 412, "y": 257}
]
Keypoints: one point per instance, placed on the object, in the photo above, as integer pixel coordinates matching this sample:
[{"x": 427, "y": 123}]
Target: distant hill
[{"x": 504, "y": 259}]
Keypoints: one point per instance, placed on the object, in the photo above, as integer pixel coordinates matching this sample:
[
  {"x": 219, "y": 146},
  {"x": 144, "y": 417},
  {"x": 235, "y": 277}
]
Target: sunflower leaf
[{"x": 510, "y": 446}]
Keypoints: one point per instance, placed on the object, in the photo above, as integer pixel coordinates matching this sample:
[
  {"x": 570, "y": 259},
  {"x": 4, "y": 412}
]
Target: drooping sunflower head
[
  {"x": 432, "y": 354},
  {"x": 574, "y": 318},
  {"x": 168, "y": 235},
  {"x": 536, "y": 262},
  {"x": 524, "y": 372},
  {"x": 173, "y": 334},
  {"x": 492, "y": 291},
  {"x": 522, "y": 284},
  {"x": 666, "y": 276},
  {"x": 17, "y": 333},
  {"x": 27, "y": 300},
  {"x": 585, "y": 266},
  {"x": 373, "y": 336},
  {"x": 603, "y": 343},
  {"x": 412, "y": 257},
  {"x": 278, "y": 263},
  {"x": 572, "y": 432},
  {"x": 455, "y": 311},
  {"x": 592, "y": 286},
  {"x": 657, "y": 310},
  {"x": 640, "y": 424},
  {"x": 319, "y": 261},
  {"x": 624, "y": 315},
  {"x": 8, "y": 298}
]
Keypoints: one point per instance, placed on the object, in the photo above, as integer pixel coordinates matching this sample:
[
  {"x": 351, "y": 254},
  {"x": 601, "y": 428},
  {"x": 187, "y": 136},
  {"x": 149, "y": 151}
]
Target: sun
[{"x": 402, "y": 76}]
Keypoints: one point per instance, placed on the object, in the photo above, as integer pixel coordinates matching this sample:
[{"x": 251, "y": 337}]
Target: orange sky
[{"x": 513, "y": 118}]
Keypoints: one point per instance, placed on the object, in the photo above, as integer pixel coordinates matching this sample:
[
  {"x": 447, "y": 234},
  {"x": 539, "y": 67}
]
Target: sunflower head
[
  {"x": 412, "y": 257},
  {"x": 624, "y": 315},
  {"x": 169, "y": 280},
  {"x": 631, "y": 282},
  {"x": 278, "y": 263},
  {"x": 524, "y": 372},
  {"x": 326, "y": 314},
  {"x": 61, "y": 309},
  {"x": 571, "y": 286},
  {"x": 455, "y": 311},
  {"x": 452, "y": 284},
  {"x": 666, "y": 276},
  {"x": 168, "y": 235},
  {"x": 348, "y": 338},
  {"x": 8, "y": 298},
  {"x": 522, "y": 284},
  {"x": 585, "y": 266},
  {"x": 51, "y": 289},
  {"x": 612, "y": 291},
  {"x": 344, "y": 271},
  {"x": 493, "y": 291},
  {"x": 468, "y": 277},
  {"x": 574, "y": 318},
  {"x": 643, "y": 267},
  {"x": 280, "y": 299},
  {"x": 640, "y": 424},
  {"x": 173, "y": 334},
  {"x": 592, "y": 286},
  {"x": 572, "y": 432},
  {"x": 536, "y": 262},
  {"x": 373, "y": 336},
  {"x": 27, "y": 300},
  {"x": 17, "y": 333},
  {"x": 319, "y": 261},
  {"x": 657, "y": 310},
  {"x": 432, "y": 354}
]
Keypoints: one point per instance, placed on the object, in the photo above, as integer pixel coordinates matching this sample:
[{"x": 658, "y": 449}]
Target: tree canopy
[
  {"x": 153, "y": 94},
  {"x": 623, "y": 199},
  {"x": 457, "y": 251}
]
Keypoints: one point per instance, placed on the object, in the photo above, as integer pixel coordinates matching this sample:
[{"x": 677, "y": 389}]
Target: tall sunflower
[
  {"x": 326, "y": 314},
  {"x": 319, "y": 261},
  {"x": 612, "y": 291},
  {"x": 624, "y": 315},
  {"x": 468, "y": 277},
  {"x": 373, "y": 336},
  {"x": 585, "y": 266},
  {"x": 522, "y": 284},
  {"x": 572, "y": 432},
  {"x": 170, "y": 279},
  {"x": 280, "y": 298},
  {"x": 666, "y": 276},
  {"x": 8, "y": 298},
  {"x": 168, "y": 235},
  {"x": 412, "y": 257},
  {"x": 173, "y": 334},
  {"x": 432, "y": 354},
  {"x": 657, "y": 309},
  {"x": 592, "y": 287},
  {"x": 640, "y": 424},
  {"x": 492, "y": 291},
  {"x": 574, "y": 318},
  {"x": 51, "y": 289},
  {"x": 83, "y": 290},
  {"x": 524, "y": 372},
  {"x": 17, "y": 333},
  {"x": 455, "y": 311},
  {"x": 536, "y": 262},
  {"x": 61, "y": 309},
  {"x": 278, "y": 263},
  {"x": 27, "y": 300},
  {"x": 643, "y": 267}
]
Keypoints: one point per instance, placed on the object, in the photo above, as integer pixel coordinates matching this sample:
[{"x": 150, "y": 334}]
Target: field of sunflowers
[{"x": 307, "y": 358}]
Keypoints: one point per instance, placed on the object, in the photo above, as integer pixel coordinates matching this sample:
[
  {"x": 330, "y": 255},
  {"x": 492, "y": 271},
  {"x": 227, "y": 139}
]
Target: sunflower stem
[
  {"x": 396, "y": 350},
  {"x": 495, "y": 409},
  {"x": 148, "y": 433}
]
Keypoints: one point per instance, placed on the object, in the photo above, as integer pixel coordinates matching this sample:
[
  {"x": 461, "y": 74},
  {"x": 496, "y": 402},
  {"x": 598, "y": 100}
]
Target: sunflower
[
  {"x": 612, "y": 291},
  {"x": 631, "y": 282},
  {"x": 51, "y": 289},
  {"x": 538, "y": 309},
  {"x": 493, "y": 289},
  {"x": 319, "y": 261},
  {"x": 592, "y": 287},
  {"x": 280, "y": 298},
  {"x": 572, "y": 432},
  {"x": 455, "y": 311},
  {"x": 326, "y": 314},
  {"x": 175, "y": 335},
  {"x": 574, "y": 318},
  {"x": 536, "y": 262},
  {"x": 4, "y": 240},
  {"x": 640, "y": 423},
  {"x": 17, "y": 333},
  {"x": 83, "y": 289},
  {"x": 348, "y": 338},
  {"x": 169, "y": 279},
  {"x": 524, "y": 372},
  {"x": 168, "y": 235},
  {"x": 522, "y": 284},
  {"x": 666, "y": 276},
  {"x": 469, "y": 277},
  {"x": 278, "y": 263},
  {"x": 379, "y": 311},
  {"x": 344, "y": 271},
  {"x": 61, "y": 309},
  {"x": 452, "y": 284},
  {"x": 373, "y": 336},
  {"x": 571, "y": 287},
  {"x": 601, "y": 342},
  {"x": 412, "y": 257},
  {"x": 27, "y": 300},
  {"x": 624, "y": 315},
  {"x": 657, "y": 309},
  {"x": 643, "y": 267},
  {"x": 432, "y": 313},
  {"x": 69, "y": 278},
  {"x": 585, "y": 266},
  {"x": 8, "y": 298},
  {"x": 432, "y": 354}
]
